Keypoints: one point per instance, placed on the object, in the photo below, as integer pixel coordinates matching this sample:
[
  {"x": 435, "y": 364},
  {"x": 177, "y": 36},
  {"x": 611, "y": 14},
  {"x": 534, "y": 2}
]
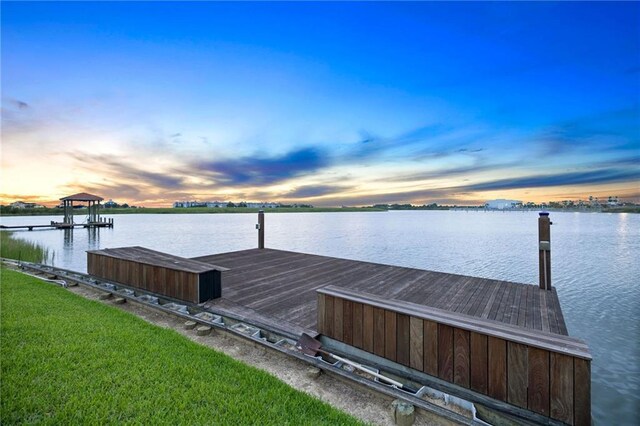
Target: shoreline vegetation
[
  {"x": 21, "y": 250},
  {"x": 68, "y": 360},
  {"x": 9, "y": 211}
]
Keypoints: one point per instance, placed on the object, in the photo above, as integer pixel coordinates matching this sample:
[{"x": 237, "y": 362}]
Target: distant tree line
[{"x": 432, "y": 206}]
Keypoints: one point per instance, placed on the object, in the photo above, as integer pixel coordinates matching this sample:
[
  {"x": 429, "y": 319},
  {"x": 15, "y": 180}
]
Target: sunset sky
[{"x": 321, "y": 103}]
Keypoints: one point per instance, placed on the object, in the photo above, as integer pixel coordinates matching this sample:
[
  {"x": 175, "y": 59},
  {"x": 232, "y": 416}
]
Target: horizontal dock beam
[{"x": 61, "y": 226}]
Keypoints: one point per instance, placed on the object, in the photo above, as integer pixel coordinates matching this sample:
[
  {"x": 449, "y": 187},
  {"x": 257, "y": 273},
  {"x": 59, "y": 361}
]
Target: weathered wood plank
[
  {"x": 515, "y": 306},
  {"x": 497, "y": 357},
  {"x": 367, "y": 328},
  {"x": 329, "y": 314},
  {"x": 538, "y": 391},
  {"x": 480, "y": 301},
  {"x": 445, "y": 352},
  {"x": 338, "y": 316},
  {"x": 357, "y": 325},
  {"x": 517, "y": 374},
  {"x": 461, "y": 349},
  {"x": 403, "y": 343},
  {"x": 347, "y": 322},
  {"x": 321, "y": 313},
  {"x": 530, "y": 308},
  {"x": 430, "y": 337},
  {"x": 509, "y": 290},
  {"x": 378, "y": 331},
  {"x": 479, "y": 363},
  {"x": 416, "y": 355},
  {"x": 522, "y": 309},
  {"x": 582, "y": 386},
  {"x": 495, "y": 292},
  {"x": 561, "y": 388},
  {"x": 390, "y": 335}
]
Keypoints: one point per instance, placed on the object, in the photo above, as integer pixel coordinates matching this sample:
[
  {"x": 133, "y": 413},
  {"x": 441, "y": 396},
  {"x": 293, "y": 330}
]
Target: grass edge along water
[{"x": 23, "y": 251}]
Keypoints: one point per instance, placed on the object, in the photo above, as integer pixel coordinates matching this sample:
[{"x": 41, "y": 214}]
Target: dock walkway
[{"x": 282, "y": 285}]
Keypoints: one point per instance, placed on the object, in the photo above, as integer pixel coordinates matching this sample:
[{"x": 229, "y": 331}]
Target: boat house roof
[{"x": 82, "y": 196}]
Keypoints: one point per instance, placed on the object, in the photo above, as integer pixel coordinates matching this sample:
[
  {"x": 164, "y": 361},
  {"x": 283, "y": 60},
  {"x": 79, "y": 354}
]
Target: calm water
[{"x": 596, "y": 264}]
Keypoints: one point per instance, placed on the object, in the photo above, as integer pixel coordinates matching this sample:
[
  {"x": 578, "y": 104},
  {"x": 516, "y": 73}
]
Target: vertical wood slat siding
[
  {"x": 378, "y": 331},
  {"x": 322, "y": 329},
  {"x": 347, "y": 322},
  {"x": 416, "y": 337},
  {"x": 582, "y": 385},
  {"x": 445, "y": 352},
  {"x": 549, "y": 383},
  {"x": 497, "y": 359},
  {"x": 430, "y": 337},
  {"x": 517, "y": 374},
  {"x": 357, "y": 325},
  {"x": 561, "y": 387},
  {"x": 328, "y": 325},
  {"x": 367, "y": 328},
  {"x": 403, "y": 345},
  {"x": 538, "y": 381},
  {"x": 461, "y": 357},
  {"x": 390, "y": 336},
  {"x": 338, "y": 315},
  {"x": 479, "y": 362}
]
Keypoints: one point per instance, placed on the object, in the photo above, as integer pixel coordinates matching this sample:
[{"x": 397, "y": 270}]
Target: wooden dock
[
  {"x": 282, "y": 285},
  {"x": 501, "y": 344},
  {"x": 61, "y": 225},
  {"x": 491, "y": 340}
]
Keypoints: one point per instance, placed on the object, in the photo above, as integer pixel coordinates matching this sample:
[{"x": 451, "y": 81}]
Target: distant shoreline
[
  {"x": 194, "y": 210},
  {"x": 214, "y": 210}
]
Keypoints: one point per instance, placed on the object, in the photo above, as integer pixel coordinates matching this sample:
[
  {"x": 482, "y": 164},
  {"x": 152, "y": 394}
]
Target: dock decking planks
[{"x": 281, "y": 284}]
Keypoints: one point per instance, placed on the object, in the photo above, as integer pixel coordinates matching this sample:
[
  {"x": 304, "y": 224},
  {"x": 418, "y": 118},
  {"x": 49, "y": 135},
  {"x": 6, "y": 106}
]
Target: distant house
[
  {"x": 263, "y": 205},
  {"x": 185, "y": 204},
  {"x": 110, "y": 204},
  {"x": 217, "y": 204},
  {"x": 501, "y": 204},
  {"x": 23, "y": 205}
]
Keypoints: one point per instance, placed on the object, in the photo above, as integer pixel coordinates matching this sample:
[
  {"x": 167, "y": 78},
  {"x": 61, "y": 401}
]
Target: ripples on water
[{"x": 595, "y": 261}]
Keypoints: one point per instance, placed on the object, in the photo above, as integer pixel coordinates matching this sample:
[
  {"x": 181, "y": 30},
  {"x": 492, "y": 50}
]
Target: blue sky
[{"x": 326, "y": 103}]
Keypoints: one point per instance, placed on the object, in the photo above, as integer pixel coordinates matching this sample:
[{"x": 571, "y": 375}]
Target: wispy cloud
[
  {"x": 120, "y": 169},
  {"x": 311, "y": 191}
]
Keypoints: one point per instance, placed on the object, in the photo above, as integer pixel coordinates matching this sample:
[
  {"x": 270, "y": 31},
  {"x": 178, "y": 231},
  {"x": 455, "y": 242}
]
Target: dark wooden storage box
[{"x": 160, "y": 273}]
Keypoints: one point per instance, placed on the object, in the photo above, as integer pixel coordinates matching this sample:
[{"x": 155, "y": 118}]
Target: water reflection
[
  {"x": 68, "y": 238},
  {"x": 93, "y": 240}
]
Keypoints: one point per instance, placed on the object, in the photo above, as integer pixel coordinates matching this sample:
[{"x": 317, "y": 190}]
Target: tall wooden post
[
  {"x": 68, "y": 211},
  {"x": 260, "y": 227},
  {"x": 544, "y": 238}
]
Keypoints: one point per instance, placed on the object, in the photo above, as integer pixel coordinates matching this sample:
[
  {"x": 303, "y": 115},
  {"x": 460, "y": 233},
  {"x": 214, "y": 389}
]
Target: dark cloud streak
[
  {"x": 261, "y": 170},
  {"x": 561, "y": 179}
]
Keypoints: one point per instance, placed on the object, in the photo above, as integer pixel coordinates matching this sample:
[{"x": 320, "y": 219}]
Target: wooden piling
[
  {"x": 260, "y": 227},
  {"x": 544, "y": 248}
]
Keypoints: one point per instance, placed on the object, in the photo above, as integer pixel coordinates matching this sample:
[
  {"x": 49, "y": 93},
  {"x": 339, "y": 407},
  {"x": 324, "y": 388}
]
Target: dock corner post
[
  {"x": 544, "y": 247},
  {"x": 260, "y": 227}
]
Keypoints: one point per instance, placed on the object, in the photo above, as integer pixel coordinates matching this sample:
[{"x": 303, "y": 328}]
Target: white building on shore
[{"x": 501, "y": 204}]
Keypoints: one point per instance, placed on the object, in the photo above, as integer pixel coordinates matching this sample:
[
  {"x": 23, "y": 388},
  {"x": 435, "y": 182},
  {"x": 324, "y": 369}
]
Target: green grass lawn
[{"x": 68, "y": 360}]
